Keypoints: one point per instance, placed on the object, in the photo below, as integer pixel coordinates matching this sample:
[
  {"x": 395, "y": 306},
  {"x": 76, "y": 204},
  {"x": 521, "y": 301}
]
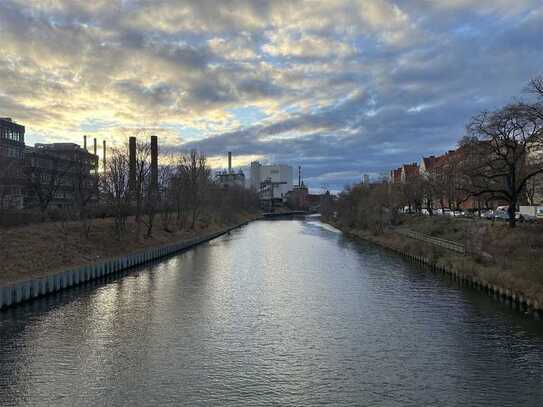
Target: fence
[{"x": 435, "y": 241}]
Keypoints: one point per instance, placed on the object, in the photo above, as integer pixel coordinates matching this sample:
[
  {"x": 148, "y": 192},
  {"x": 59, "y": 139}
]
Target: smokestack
[
  {"x": 154, "y": 162},
  {"x": 96, "y": 163},
  {"x": 85, "y": 142},
  {"x": 104, "y": 155},
  {"x": 132, "y": 164},
  {"x": 229, "y": 162}
]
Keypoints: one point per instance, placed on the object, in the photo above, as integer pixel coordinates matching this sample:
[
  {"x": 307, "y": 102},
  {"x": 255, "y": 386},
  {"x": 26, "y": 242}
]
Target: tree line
[
  {"x": 498, "y": 161},
  {"x": 184, "y": 194},
  {"x": 178, "y": 197}
]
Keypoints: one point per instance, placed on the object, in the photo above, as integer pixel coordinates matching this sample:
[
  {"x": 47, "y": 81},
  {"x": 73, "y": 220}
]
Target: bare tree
[
  {"x": 8, "y": 169},
  {"x": 85, "y": 186},
  {"x": 114, "y": 186},
  {"x": 140, "y": 188},
  {"x": 500, "y": 154},
  {"x": 535, "y": 87},
  {"x": 167, "y": 191},
  {"x": 195, "y": 175},
  {"x": 44, "y": 176},
  {"x": 413, "y": 191}
]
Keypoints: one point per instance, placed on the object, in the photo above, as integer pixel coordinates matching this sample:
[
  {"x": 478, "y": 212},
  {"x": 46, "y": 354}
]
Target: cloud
[{"x": 342, "y": 87}]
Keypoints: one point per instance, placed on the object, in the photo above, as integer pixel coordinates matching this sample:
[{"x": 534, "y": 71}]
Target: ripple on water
[{"x": 277, "y": 313}]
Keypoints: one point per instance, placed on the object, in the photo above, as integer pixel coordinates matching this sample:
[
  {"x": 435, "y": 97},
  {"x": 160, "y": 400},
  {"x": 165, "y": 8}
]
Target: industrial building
[
  {"x": 12, "y": 147},
  {"x": 271, "y": 181},
  {"x": 230, "y": 178}
]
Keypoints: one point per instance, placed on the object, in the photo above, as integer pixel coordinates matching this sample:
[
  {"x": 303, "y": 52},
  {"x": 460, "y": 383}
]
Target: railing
[{"x": 435, "y": 241}]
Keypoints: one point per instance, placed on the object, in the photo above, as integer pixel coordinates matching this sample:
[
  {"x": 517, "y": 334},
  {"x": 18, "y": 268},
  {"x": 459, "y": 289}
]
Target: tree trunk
[{"x": 511, "y": 213}]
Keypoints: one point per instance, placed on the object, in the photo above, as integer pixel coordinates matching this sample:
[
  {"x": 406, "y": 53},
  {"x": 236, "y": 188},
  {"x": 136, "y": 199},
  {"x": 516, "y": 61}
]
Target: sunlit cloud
[{"x": 341, "y": 87}]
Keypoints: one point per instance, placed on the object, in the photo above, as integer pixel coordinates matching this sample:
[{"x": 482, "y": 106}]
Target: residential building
[
  {"x": 534, "y": 187},
  {"x": 409, "y": 172},
  {"x": 396, "y": 176},
  {"x": 12, "y": 147}
]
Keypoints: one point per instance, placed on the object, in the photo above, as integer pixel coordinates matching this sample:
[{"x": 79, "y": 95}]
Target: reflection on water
[{"x": 288, "y": 312}]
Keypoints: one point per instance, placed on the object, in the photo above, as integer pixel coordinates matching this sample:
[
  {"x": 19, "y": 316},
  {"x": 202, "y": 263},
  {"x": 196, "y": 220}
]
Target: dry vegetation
[
  {"x": 505, "y": 257},
  {"x": 500, "y": 162},
  {"x": 139, "y": 206},
  {"x": 42, "y": 249}
]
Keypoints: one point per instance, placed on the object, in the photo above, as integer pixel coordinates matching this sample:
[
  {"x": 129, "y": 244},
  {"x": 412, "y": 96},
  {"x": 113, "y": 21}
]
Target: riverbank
[
  {"x": 505, "y": 260},
  {"x": 41, "y": 250}
]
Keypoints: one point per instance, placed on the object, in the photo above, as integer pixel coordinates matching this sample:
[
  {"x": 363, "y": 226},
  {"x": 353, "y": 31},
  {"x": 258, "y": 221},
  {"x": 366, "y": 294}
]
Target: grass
[
  {"x": 39, "y": 250},
  {"x": 505, "y": 257}
]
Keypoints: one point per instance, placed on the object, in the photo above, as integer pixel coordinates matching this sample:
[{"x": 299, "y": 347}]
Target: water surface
[{"x": 285, "y": 312}]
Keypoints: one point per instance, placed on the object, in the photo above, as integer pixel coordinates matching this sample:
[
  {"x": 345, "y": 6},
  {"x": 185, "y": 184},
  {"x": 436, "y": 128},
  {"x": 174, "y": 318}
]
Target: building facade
[
  {"x": 230, "y": 178},
  {"x": 395, "y": 176},
  {"x": 262, "y": 176},
  {"x": 60, "y": 175},
  {"x": 12, "y": 146},
  {"x": 409, "y": 172}
]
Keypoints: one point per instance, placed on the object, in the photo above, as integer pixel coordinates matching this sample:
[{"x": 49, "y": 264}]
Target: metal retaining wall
[
  {"x": 28, "y": 290},
  {"x": 515, "y": 299}
]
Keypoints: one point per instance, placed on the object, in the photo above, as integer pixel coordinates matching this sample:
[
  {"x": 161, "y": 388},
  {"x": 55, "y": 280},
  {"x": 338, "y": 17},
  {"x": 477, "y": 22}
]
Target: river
[{"x": 285, "y": 312}]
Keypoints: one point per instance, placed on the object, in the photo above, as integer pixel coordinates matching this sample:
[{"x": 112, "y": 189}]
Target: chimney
[
  {"x": 85, "y": 142},
  {"x": 104, "y": 155},
  {"x": 132, "y": 164},
  {"x": 97, "y": 162},
  {"x": 229, "y": 162},
  {"x": 154, "y": 162}
]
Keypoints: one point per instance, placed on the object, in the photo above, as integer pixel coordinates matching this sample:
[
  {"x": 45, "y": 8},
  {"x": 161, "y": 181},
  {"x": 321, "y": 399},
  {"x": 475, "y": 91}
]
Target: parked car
[
  {"x": 531, "y": 212},
  {"x": 500, "y": 214},
  {"x": 487, "y": 214}
]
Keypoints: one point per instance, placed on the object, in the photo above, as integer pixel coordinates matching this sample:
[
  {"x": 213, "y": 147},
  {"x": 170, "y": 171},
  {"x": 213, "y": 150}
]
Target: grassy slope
[
  {"x": 43, "y": 249},
  {"x": 511, "y": 259}
]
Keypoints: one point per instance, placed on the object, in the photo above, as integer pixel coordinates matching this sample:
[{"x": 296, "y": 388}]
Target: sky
[{"x": 342, "y": 88}]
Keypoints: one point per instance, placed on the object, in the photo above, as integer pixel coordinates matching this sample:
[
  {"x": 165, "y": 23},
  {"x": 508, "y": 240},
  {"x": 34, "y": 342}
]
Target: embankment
[
  {"x": 521, "y": 286},
  {"x": 48, "y": 267}
]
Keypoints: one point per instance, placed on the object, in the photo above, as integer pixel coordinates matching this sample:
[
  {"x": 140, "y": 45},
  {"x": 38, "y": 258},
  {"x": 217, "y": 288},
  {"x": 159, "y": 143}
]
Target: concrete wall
[{"x": 27, "y": 290}]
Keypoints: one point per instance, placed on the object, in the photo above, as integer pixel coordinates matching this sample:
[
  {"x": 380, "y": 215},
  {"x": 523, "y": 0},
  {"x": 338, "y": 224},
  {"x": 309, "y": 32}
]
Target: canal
[{"x": 285, "y": 312}]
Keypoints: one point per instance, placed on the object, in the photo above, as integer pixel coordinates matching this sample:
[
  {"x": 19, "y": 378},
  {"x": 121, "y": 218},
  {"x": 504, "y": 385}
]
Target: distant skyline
[{"x": 342, "y": 88}]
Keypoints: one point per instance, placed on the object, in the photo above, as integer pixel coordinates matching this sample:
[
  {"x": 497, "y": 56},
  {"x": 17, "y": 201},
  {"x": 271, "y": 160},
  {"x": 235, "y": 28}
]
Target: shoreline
[
  {"x": 14, "y": 293},
  {"x": 518, "y": 299}
]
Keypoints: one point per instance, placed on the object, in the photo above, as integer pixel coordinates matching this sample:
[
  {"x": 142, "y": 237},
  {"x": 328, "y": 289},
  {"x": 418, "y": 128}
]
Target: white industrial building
[{"x": 280, "y": 176}]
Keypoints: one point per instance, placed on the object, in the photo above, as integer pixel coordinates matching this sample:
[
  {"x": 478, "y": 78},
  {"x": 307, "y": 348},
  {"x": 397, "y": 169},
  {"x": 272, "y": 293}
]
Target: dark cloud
[{"x": 341, "y": 87}]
